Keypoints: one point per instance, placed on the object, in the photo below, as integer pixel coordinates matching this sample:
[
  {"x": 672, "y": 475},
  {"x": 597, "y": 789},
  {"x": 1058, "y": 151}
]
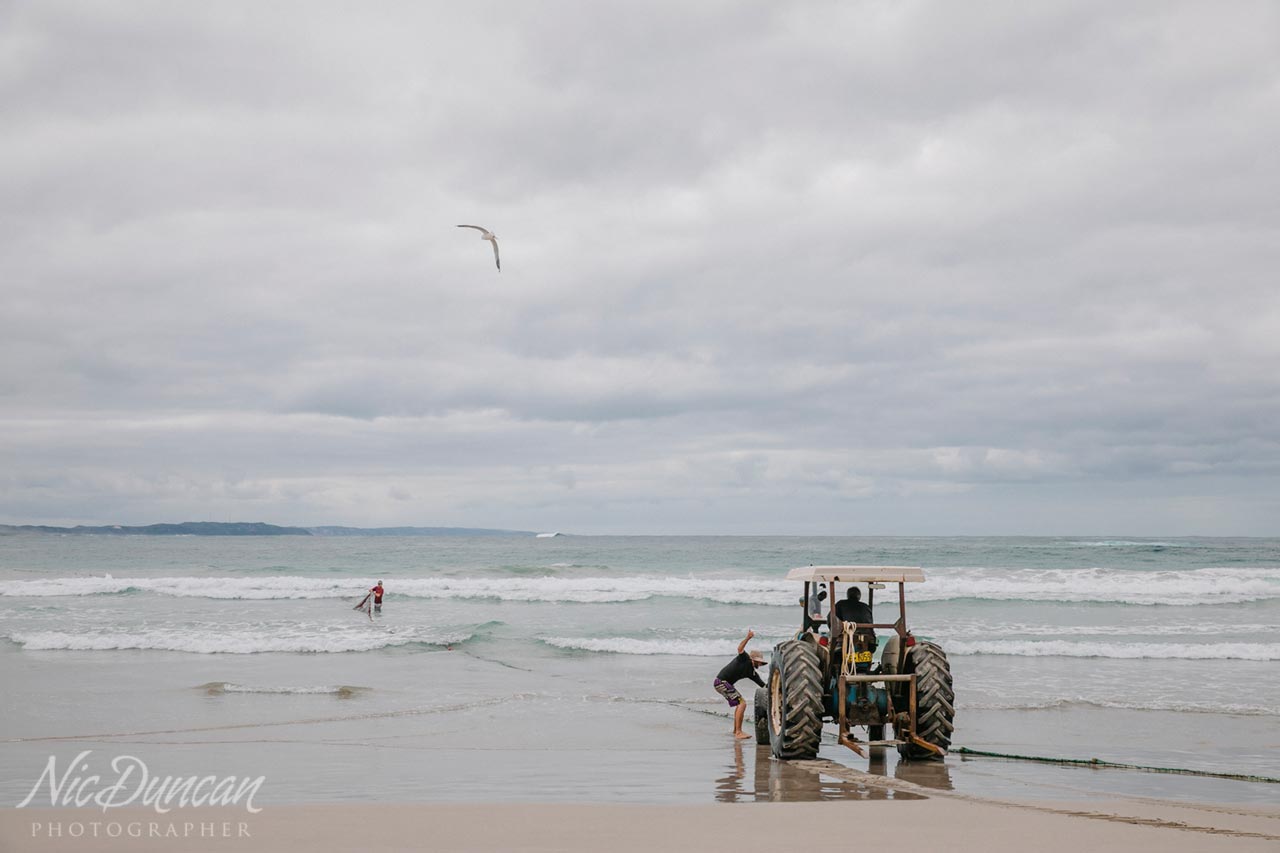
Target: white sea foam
[
  {"x": 1176, "y": 588},
  {"x": 217, "y": 687},
  {"x": 1129, "y": 543},
  {"x": 531, "y": 589},
  {"x": 696, "y": 647},
  {"x": 238, "y": 641},
  {"x": 1183, "y": 587},
  {"x": 973, "y": 629},
  {"x": 633, "y": 646},
  {"x": 1123, "y": 651}
]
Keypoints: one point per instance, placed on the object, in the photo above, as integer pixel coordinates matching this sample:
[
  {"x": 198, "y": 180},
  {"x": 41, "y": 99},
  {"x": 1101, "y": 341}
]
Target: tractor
[{"x": 828, "y": 672}]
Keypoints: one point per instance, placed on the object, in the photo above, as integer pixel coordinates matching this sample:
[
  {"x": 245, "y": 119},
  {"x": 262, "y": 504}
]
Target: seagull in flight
[{"x": 486, "y": 234}]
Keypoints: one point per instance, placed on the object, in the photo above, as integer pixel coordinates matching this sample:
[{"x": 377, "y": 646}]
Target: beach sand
[
  {"x": 895, "y": 814},
  {"x": 943, "y": 824}
]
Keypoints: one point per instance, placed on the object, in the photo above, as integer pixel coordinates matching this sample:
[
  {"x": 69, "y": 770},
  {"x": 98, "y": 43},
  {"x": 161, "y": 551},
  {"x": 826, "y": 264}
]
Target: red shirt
[{"x": 377, "y": 594}]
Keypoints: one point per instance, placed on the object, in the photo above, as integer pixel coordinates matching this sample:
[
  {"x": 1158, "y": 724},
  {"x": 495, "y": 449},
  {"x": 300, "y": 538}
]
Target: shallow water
[{"x": 578, "y": 669}]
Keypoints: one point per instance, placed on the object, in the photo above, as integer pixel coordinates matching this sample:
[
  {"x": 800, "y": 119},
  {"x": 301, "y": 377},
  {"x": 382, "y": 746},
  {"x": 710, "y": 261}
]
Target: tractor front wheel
[
  {"x": 762, "y": 716},
  {"x": 795, "y": 700}
]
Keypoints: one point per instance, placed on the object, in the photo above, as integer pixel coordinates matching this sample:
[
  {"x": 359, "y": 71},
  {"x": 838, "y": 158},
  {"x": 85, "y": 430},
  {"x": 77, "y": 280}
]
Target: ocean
[{"x": 579, "y": 668}]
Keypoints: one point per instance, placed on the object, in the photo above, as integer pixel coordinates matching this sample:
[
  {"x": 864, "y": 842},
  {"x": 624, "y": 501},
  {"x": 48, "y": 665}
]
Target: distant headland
[{"x": 253, "y": 528}]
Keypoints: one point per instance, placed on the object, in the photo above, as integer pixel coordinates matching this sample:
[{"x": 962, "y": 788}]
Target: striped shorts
[{"x": 729, "y": 692}]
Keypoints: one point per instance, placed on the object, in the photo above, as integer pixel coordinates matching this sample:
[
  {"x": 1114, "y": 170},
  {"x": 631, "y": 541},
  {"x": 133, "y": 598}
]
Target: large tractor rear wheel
[
  {"x": 935, "y": 699},
  {"x": 762, "y": 716},
  {"x": 795, "y": 700}
]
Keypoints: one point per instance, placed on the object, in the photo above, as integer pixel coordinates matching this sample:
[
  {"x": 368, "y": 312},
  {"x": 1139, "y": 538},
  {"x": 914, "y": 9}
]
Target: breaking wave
[
  {"x": 1175, "y": 588},
  {"x": 975, "y": 630},
  {"x": 1130, "y": 543},
  {"x": 712, "y": 647},
  {"x": 236, "y": 641},
  {"x": 218, "y": 688},
  {"x": 633, "y": 646},
  {"x": 1179, "y": 588},
  {"x": 1124, "y": 651}
]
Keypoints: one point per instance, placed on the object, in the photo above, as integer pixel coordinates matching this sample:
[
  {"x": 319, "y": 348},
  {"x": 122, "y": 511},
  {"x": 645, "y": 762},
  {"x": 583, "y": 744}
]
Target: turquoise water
[{"x": 1152, "y": 651}]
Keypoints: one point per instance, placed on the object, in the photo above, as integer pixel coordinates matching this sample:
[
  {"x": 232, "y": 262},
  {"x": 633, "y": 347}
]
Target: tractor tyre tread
[
  {"x": 762, "y": 716},
  {"x": 935, "y": 700},
  {"x": 799, "y": 680}
]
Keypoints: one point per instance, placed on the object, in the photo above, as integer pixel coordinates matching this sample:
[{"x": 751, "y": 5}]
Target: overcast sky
[{"x": 768, "y": 267}]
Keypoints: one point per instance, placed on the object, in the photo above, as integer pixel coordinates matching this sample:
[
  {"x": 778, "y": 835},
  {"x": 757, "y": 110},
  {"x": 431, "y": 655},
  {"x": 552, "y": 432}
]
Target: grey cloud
[{"x": 762, "y": 264}]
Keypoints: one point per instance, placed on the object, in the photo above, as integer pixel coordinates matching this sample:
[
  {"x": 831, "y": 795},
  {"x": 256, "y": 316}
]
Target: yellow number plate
[{"x": 860, "y": 657}]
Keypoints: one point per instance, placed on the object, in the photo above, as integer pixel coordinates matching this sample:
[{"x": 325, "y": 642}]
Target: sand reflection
[{"x": 755, "y": 776}]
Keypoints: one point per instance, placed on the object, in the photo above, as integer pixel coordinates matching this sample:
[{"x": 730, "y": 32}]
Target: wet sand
[
  {"x": 779, "y": 806},
  {"x": 567, "y": 768},
  {"x": 952, "y": 823},
  {"x": 723, "y": 795}
]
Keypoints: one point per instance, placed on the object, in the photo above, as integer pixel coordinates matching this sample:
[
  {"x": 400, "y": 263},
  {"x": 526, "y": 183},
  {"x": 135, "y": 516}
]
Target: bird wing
[
  {"x": 485, "y": 231},
  {"x": 496, "y": 260}
]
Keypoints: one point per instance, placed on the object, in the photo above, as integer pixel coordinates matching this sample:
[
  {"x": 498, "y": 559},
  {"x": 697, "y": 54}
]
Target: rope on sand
[{"x": 1094, "y": 762}]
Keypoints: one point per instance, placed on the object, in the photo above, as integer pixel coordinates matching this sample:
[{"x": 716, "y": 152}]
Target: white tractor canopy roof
[{"x": 858, "y": 574}]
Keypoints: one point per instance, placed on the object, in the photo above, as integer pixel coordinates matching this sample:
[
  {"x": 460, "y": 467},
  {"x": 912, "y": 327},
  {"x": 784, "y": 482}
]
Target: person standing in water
[
  {"x": 742, "y": 666},
  {"x": 377, "y": 597}
]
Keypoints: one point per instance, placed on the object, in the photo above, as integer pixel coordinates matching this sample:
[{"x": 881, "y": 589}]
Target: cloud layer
[{"x": 768, "y": 267}]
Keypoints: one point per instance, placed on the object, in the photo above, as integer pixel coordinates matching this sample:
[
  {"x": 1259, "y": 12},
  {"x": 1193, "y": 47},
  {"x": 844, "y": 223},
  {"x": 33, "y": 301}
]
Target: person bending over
[{"x": 742, "y": 666}]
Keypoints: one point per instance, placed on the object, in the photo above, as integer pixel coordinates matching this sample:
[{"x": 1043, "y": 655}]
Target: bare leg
[{"x": 738, "y": 713}]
